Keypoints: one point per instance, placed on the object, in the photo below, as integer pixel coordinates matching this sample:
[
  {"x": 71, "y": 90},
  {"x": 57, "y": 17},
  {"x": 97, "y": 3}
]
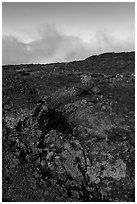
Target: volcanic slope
[{"x": 68, "y": 130}]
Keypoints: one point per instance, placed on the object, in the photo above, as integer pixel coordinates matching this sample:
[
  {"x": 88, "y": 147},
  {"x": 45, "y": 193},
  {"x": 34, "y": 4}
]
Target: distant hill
[{"x": 106, "y": 63}]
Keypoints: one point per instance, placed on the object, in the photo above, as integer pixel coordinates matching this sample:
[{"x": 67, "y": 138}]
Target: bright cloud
[{"x": 53, "y": 46}]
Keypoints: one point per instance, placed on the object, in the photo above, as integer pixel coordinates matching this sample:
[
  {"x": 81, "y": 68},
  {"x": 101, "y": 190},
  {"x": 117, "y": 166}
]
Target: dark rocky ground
[{"x": 68, "y": 130}]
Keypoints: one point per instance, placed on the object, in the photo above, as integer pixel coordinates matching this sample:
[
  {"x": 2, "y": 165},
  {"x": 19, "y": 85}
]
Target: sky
[{"x": 44, "y": 32}]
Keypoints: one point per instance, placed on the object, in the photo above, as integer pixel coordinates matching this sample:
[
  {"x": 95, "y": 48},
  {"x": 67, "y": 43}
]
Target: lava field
[{"x": 68, "y": 130}]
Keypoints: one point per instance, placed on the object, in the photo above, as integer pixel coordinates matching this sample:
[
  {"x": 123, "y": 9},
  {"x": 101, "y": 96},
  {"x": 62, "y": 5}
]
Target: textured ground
[{"x": 68, "y": 130}]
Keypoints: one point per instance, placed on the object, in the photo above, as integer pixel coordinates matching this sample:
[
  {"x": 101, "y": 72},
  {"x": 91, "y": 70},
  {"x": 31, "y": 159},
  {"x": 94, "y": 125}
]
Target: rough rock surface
[{"x": 76, "y": 144}]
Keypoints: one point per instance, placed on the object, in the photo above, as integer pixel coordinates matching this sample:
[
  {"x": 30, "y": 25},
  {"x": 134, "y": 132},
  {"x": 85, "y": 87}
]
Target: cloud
[
  {"x": 13, "y": 51},
  {"x": 53, "y": 46},
  {"x": 120, "y": 42}
]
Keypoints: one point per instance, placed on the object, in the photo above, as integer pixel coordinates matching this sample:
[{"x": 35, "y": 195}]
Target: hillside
[{"x": 69, "y": 130}]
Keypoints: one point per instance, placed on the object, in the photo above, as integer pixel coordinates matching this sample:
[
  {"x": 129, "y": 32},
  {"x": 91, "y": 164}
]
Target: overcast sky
[{"x": 51, "y": 32}]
